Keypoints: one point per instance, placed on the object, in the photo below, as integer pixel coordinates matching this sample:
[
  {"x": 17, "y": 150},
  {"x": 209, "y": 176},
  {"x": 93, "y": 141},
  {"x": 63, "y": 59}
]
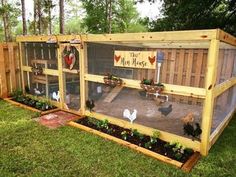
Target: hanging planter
[
  {"x": 150, "y": 87},
  {"x": 112, "y": 80}
]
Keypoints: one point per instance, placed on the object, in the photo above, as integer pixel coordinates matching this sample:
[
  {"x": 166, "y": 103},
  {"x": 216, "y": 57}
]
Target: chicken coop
[{"x": 158, "y": 81}]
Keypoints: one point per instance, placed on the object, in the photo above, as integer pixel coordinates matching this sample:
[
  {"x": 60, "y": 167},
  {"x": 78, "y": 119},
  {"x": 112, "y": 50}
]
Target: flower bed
[
  {"x": 31, "y": 102},
  {"x": 172, "y": 151}
]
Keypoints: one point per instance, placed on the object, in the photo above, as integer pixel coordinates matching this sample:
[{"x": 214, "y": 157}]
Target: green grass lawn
[{"x": 28, "y": 149}]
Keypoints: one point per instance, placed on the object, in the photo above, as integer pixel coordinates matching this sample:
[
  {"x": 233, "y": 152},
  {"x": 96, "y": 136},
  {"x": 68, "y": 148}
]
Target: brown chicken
[
  {"x": 158, "y": 101},
  {"x": 189, "y": 118}
]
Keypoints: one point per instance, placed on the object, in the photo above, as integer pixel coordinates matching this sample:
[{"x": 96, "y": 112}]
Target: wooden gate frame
[{"x": 204, "y": 38}]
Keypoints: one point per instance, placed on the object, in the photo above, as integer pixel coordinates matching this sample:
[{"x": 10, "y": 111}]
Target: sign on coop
[{"x": 135, "y": 59}]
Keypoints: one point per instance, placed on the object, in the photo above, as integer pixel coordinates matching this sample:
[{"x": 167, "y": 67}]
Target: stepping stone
[{"x": 56, "y": 119}]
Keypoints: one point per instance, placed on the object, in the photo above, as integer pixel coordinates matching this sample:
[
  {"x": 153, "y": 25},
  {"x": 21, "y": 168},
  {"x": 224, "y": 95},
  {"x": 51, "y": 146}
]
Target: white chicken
[
  {"x": 56, "y": 96},
  {"x": 131, "y": 117},
  {"x": 37, "y": 92}
]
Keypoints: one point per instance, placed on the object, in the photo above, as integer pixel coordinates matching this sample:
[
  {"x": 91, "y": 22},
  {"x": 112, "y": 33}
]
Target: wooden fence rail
[{"x": 10, "y": 78}]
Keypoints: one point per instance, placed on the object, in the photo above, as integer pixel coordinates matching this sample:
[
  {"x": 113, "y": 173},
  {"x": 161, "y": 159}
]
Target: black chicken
[
  {"x": 90, "y": 105},
  {"x": 192, "y": 130},
  {"x": 165, "y": 110}
]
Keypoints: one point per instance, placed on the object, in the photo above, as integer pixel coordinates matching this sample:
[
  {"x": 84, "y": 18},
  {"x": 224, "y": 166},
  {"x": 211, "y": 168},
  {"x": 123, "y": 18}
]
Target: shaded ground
[
  {"x": 29, "y": 149},
  {"x": 147, "y": 111}
]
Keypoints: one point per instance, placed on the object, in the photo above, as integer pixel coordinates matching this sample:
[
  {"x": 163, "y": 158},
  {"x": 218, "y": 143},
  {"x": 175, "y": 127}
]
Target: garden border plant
[
  {"x": 176, "y": 154},
  {"x": 34, "y": 103}
]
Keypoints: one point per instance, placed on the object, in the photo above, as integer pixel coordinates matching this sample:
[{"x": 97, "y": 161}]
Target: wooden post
[
  {"x": 83, "y": 71},
  {"x": 210, "y": 81},
  {"x": 60, "y": 77},
  {"x": 12, "y": 67},
  {"x": 21, "y": 66},
  {"x": 3, "y": 81}
]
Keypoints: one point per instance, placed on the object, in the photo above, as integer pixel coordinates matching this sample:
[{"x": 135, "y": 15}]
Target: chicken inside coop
[{"x": 167, "y": 116}]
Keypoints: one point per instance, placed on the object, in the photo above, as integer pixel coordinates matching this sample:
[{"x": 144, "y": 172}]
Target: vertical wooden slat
[
  {"x": 172, "y": 68},
  {"x": 198, "y": 68},
  {"x": 3, "y": 84},
  {"x": 164, "y": 67},
  {"x": 210, "y": 80},
  {"x": 83, "y": 70},
  {"x": 60, "y": 77},
  {"x": 189, "y": 68},
  {"x": 180, "y": 70},
  {"x": 12, "y": 67}
]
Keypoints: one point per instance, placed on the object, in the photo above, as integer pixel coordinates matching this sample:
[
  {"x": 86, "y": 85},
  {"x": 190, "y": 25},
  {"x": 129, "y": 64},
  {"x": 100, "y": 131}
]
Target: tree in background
[
  {"x": 197, "y": 14},
  {"x": 24, "y": 26},
  {"x": 61, "y": 17},
  {"x": 48, "y": 6},
  {"x": 111, "y": 16},
  {"x": 9, "y": 14}
]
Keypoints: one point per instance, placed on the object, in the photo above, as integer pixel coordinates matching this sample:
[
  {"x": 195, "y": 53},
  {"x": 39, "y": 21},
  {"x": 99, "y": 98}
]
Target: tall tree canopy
[
  {"x": 111, "y": 16},
  {"x": 197, "y": 14}
]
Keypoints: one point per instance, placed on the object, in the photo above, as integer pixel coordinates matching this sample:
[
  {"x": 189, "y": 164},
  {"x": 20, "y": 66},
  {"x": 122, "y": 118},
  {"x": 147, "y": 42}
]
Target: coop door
[
  {"x": 71, "y": 74},
  {"x": 40, "y": 67}
]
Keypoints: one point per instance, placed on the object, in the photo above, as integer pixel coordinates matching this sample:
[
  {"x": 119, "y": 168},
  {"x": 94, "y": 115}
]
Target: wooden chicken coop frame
[{"x": 208, "y": 39}]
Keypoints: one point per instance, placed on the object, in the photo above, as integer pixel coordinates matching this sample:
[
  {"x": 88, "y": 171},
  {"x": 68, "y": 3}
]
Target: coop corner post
[
  {"x": 83, "y": 71},
  {"x": 60, "y": 76},
  {"x": 21, "y": 67},
  {"x": 207, "y": 115}
]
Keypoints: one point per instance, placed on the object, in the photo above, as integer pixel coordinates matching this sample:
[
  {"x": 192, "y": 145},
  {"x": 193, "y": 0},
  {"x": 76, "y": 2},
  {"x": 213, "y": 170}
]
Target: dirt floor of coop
[{"x": 147, "y": 111}]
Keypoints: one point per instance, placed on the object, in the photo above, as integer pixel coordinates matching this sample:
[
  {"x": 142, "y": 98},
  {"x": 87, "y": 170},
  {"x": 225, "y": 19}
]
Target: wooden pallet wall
[{"x": 10, "y": 77}]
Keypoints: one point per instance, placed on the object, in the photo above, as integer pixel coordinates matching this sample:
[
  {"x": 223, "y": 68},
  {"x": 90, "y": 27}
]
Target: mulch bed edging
[
  {"x": 30, "y": 108},
  {"x": 187, "y": 166}
]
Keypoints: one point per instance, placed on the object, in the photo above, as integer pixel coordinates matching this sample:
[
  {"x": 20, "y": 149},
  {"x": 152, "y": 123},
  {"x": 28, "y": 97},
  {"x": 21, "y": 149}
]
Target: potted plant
[
  {"x": 150, "y": 87},
  {"x": 112, "y": 80}
]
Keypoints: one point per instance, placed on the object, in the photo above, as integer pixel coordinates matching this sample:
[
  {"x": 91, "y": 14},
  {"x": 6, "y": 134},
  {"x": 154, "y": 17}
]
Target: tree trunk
[
  {"x": 6, "y": 23},
  {"x": 35, "y": 15},
  {"x": 50, "y": 20},
  {"x": 23, "y": 17},
  {"x": 110, "y": 16},
  {"x": 39, "y": 16},
  {"x": 62, "y": 16}
]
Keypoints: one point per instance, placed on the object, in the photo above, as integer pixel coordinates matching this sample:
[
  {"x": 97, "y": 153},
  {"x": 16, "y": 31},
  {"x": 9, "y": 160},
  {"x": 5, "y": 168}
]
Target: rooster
[
  {"x": 191, "y": 130},
  {"x": 56, "y": 96},
  {"x": 131, "y": 117},
  {"x": 165, "y": 110},
  {"x": 90, "y": 105}
]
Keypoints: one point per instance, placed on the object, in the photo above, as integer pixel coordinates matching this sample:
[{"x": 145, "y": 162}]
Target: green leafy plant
[
  {"x": 16, "y": 93},
  {"x": 154, "y": 137},
  {"x": 148, "y": 145},
  {"x": 124, "y": 135},
  {"x": 102, "y": 124},
  {"x": 134, "y": 132},
  {"x": 178, "y": 149}
]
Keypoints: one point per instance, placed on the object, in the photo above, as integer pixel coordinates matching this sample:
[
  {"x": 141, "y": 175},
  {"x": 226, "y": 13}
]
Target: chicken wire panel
[
  {"x": 151, "y": 111},
  {"x": 181, "y": 66},
  {"x": 52, "y": 88},
  {"x": 224, "y": 104},
  {"x": 36, "y": 85},
  {"x": 70, "y": 55},
  {"x": 42, "y": 85},
  {"x": 72, "y": 95},
  {"x": 41, "y": 54},
  {"x": 227, "y": 63}
]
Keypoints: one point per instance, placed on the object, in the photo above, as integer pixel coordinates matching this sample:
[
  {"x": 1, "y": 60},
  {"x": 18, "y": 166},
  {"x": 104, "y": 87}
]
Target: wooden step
[{"x": 114, "y": 92}]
